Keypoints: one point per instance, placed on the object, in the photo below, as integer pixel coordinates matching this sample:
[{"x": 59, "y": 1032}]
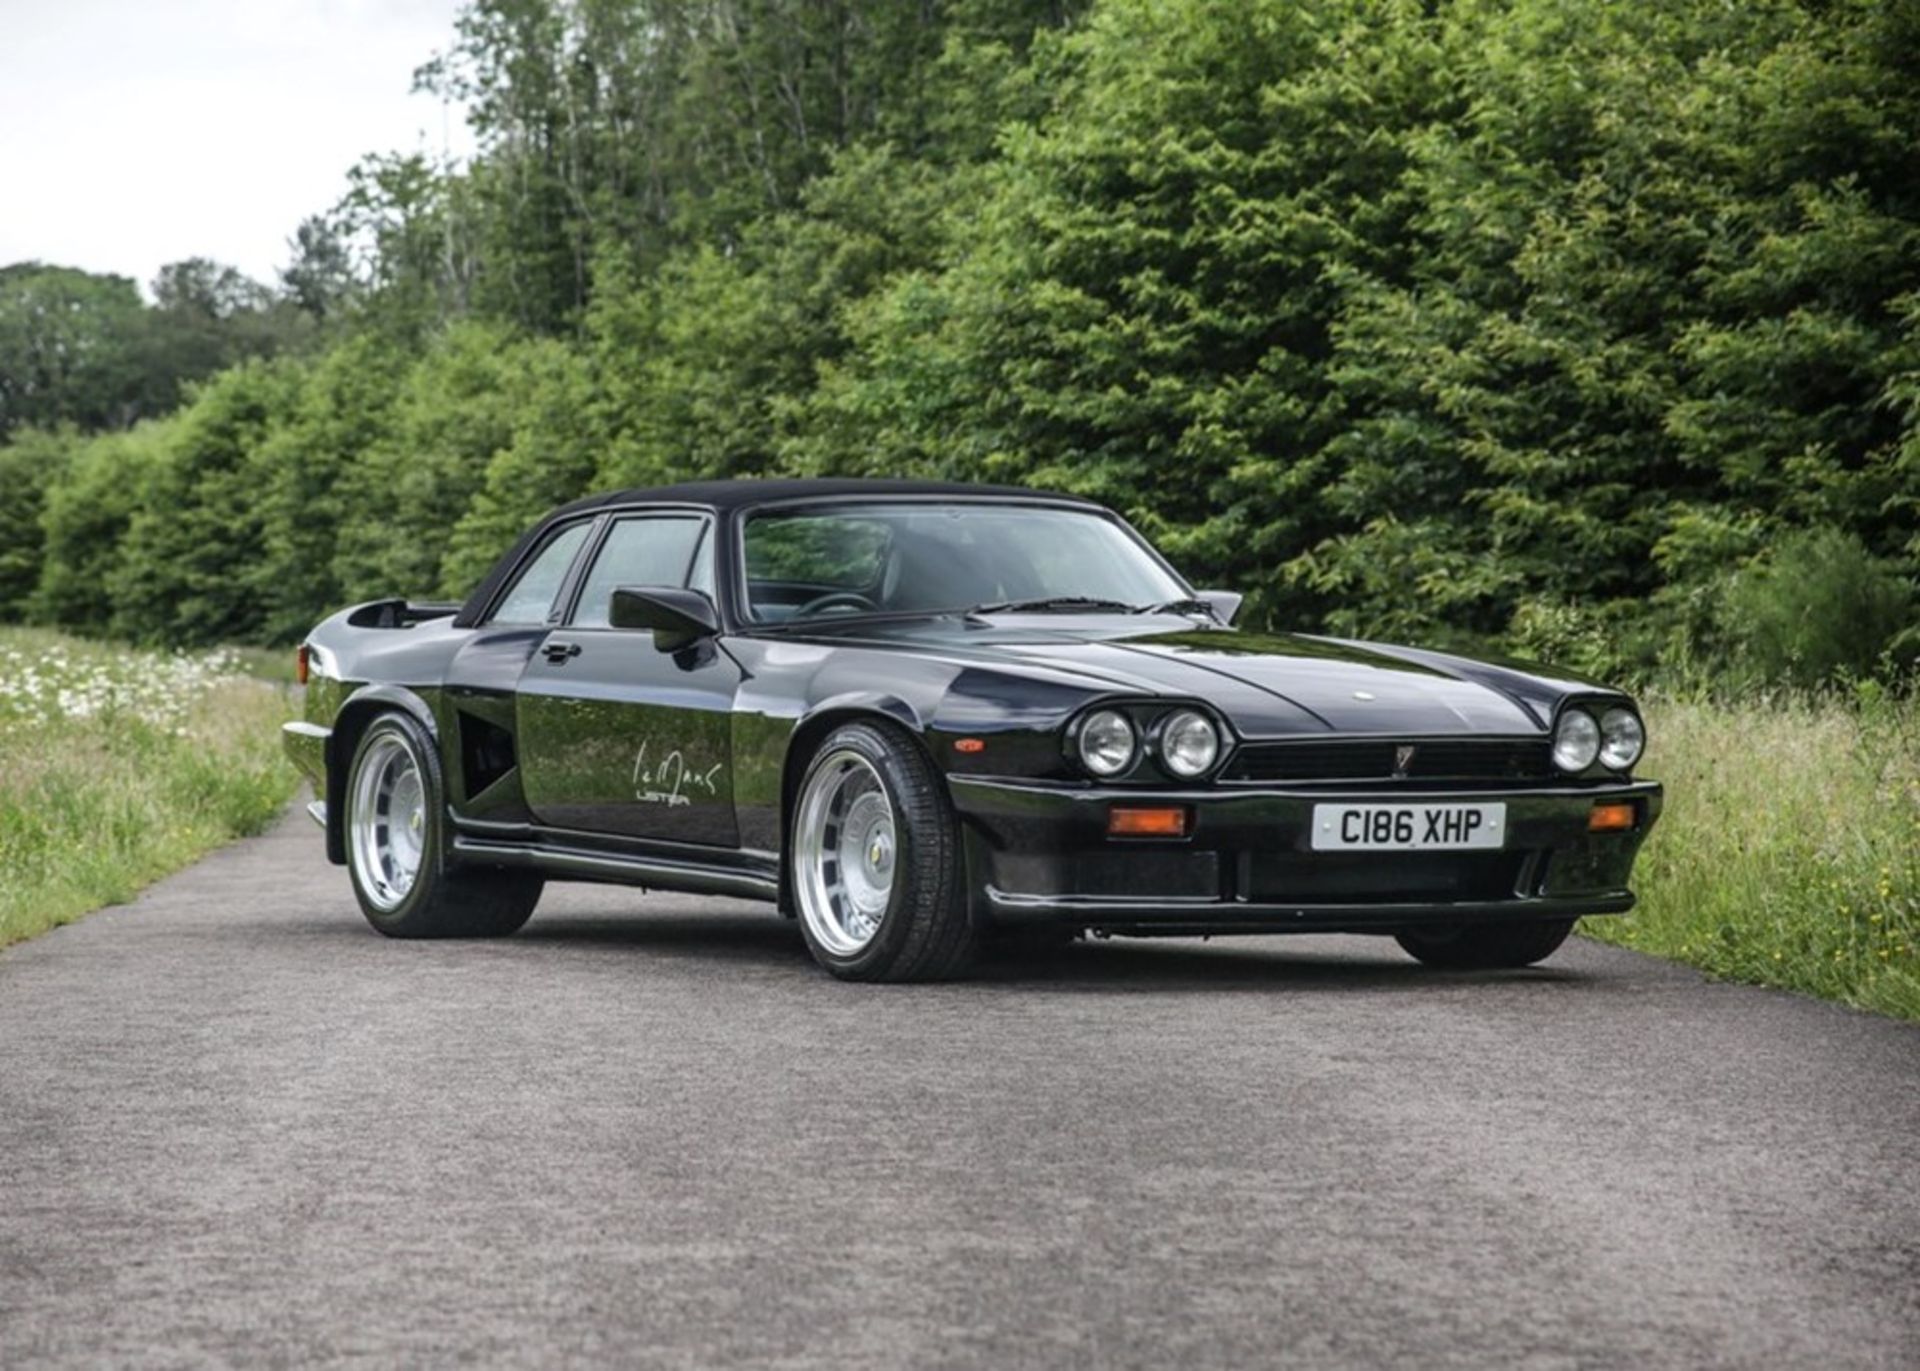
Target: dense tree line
[
  {"x": 1589, "y": 328},
  {"x": 85, "y": 350}
]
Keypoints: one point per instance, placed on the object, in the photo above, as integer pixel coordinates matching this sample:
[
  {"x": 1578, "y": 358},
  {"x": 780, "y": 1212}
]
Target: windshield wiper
[
  {"x": 877, "y": 616},
  {"x": 1186, "y": 604},
  {"x": 1051, "y": 604}
]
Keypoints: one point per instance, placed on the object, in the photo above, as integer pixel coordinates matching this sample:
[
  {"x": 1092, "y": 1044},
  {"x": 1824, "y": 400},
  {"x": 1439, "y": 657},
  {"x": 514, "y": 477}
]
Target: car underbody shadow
[
  {"x": 1130, "y": 965},
  {"x": 1274, "y": 962}
]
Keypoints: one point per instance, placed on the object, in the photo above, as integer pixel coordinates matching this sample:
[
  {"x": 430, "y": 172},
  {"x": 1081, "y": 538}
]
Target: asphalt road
[{"x": 237, "y": 1126}]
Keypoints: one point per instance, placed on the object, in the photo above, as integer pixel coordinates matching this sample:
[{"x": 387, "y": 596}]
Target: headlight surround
[
  {"x": 1576, "y": 740},
  {"x": 1189, "y": 743},
  {"x": 1622, "y": 738},
  {"x": 1107, "y": 742}
]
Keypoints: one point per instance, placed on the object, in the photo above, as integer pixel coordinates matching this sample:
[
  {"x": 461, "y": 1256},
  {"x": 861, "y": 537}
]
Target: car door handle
[{"x": 561, "y": 652}]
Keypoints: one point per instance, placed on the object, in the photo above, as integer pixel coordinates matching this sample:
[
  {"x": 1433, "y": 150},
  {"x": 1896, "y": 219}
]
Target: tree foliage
[
  {"x": 86, "y": 351},
  {"x": 69, "y": 349},
  {"x": 1584, "y": 327}
]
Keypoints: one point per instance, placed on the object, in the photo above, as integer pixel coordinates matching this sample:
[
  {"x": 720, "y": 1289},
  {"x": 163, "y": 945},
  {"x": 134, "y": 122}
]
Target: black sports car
[{"x": 920, "y": 716}]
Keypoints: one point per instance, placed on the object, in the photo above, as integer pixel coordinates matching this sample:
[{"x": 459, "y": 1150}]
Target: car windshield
[{"x": 906, "y": 558}]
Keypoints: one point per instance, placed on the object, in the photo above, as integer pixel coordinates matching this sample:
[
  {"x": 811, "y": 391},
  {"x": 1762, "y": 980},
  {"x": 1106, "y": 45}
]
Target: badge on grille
[{"x": 1403, "y": 758}]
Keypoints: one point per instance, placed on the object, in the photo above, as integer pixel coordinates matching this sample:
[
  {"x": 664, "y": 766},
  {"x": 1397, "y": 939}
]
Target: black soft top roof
[
  {"x": 722, "y": 496},
  {"x": 745, "y": 494}
]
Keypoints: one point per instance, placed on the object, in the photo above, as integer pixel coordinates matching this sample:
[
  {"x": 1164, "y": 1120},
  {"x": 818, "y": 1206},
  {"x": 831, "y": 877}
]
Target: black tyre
[
  {"x": 1486, "y": 946},
  {"x": 395, "y": 824},
  {"x": 875, "y": 861}
]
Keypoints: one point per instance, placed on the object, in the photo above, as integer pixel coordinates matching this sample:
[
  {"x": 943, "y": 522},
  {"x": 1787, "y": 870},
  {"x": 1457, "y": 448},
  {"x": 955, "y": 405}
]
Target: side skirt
[{"x": 620, "y": 868}]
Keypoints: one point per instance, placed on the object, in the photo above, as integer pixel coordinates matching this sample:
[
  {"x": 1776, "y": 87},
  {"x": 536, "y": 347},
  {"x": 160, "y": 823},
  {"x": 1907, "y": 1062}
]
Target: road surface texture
[{"x": 237, "y": 1126}]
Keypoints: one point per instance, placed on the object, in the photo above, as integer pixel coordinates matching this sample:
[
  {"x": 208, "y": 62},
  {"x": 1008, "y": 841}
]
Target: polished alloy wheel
[
  {"x": 388, "y": 818},
  {"x": 845, "y": 850}
]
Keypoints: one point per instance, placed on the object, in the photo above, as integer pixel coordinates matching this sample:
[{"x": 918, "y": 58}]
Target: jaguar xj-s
[{"x": 918, "y": 717}]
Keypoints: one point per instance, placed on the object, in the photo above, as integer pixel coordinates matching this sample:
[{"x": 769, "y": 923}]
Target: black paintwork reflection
[
  {"x": 1011, "y": 682},
  {"x": 479, "y": 684},
  {"x": 1268, "y": 685},
  {"x": 624, "y": 738}
]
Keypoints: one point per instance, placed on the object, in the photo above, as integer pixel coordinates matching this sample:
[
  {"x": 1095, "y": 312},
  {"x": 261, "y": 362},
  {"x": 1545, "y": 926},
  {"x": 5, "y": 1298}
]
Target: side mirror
[
  {"x": 677, "y": 617},
  {"x": 1225, "y": 603}
]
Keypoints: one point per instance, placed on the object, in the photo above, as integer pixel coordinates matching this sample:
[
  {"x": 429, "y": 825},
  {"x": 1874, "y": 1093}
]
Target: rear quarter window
[{"x": 529, "y": 600}]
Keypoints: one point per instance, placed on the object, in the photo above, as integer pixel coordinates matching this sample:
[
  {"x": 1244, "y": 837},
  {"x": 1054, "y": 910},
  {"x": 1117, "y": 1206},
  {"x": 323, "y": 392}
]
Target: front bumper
[{"x": 1039, "y": 853}]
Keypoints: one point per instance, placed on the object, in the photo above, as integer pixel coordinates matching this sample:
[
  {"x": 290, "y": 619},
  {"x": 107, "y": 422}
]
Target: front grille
[{"x": 1372, "y": 759}]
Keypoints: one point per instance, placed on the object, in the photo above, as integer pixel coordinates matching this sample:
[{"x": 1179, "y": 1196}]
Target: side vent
[{"x": 486, "y": 752}]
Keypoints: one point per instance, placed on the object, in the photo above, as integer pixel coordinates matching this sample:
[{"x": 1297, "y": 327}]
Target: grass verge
[
  {"x": 117, "y": 767},
  {"x": 1789, "y": 853}
]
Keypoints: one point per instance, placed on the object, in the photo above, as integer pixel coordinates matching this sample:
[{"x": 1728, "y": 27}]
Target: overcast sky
[{"x": 138, "y": 132}]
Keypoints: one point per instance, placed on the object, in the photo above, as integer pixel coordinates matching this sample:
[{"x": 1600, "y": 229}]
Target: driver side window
[{"x": 651, "y": 550}]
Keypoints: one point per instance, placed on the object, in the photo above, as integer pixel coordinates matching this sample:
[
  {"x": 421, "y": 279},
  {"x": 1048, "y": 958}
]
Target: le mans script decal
[{"x": 667, "y": 781}]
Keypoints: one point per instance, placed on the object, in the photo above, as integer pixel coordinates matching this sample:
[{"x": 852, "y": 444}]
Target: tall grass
[
  {"x": 117, "y": 767},
  {"x": 1789, "y": 854}
]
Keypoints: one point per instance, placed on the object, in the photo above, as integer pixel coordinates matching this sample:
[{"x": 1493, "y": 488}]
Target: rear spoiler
[{"x": 400, "y": 613}]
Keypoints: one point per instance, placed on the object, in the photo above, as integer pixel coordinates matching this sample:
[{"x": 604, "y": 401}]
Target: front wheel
[
  {"x": 396, "y": 851},
  {"x": 875, "y": 861},
  {"x": 1487, "y": 946}
]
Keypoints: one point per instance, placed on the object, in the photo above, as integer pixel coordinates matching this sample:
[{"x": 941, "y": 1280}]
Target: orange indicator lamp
[
  {"x": 1147, "y": 821},
  {"x": 1611, "y": 817}
]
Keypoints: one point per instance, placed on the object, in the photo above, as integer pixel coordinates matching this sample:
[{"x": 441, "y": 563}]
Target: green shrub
[
  {"x": 90, "y": 504},
  {"x": 186, "y": 570},
  {"x": 28, "y": 465},
  {"x": 1818, "y": 608},
  {"x": 1588, "y": 639}
]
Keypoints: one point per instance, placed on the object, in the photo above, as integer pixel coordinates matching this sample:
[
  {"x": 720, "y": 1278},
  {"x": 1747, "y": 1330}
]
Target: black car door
[
  {"x": 617, "y": 736},
  {"x": 477, "y": 733}
]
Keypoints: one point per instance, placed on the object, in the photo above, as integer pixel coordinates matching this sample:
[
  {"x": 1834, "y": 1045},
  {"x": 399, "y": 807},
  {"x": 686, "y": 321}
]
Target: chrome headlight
[
  {"x": 1622, "y": 738},
  {"x": 1107, "y": 742},
  {"x": 1189, "y": 743},
  {"x": 1576, "y": 742}
]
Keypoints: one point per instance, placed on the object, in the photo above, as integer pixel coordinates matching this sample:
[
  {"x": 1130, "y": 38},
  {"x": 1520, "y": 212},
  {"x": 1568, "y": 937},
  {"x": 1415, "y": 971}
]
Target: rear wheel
[
  {"x": 875, "y": 861},
  {"x": 1485, "y": 946},
  {"x": 396, "y": 853}
]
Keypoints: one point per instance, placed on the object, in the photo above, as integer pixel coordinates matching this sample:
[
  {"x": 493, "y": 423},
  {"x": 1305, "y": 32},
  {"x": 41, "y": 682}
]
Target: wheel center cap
[{"x": 879, "y": 851}]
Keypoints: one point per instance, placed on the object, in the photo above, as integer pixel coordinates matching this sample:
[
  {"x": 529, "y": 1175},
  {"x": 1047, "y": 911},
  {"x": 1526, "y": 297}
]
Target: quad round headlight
[
  {"x": 1189, "y": 743},
  {"x": 1576, "y": 741},
  {"x": 1622, "y": 738},
  {"x": 1107, "y": 742}
]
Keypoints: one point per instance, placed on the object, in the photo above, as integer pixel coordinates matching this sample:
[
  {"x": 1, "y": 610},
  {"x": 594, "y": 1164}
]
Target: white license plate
[{"x": 1408, "y": 827}]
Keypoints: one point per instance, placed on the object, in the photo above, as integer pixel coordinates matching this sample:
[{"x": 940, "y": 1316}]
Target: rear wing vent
[
  {"x": 400, "y": 613},
  {"x": 486, "y": 752}
]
